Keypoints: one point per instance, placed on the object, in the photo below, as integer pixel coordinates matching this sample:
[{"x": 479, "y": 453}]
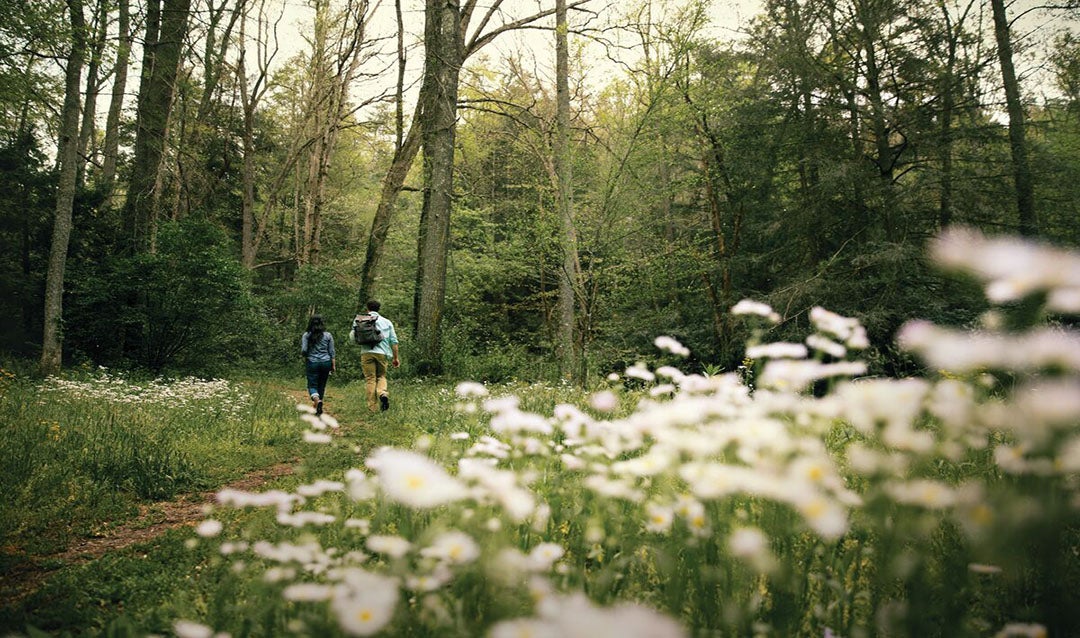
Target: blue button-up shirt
[
  {"x": 323, "y": 350},
  {"x": 386, "y": 327}
]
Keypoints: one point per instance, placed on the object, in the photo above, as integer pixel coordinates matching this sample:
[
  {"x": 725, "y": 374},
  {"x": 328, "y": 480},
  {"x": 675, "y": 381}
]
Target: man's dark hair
[{"x": 373, "y": 305}]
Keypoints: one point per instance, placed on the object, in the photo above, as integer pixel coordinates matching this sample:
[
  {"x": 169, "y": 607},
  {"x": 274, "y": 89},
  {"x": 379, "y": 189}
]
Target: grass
[
  {"x": 901, "y": 564},
  {"x": 82, "y": 460}
]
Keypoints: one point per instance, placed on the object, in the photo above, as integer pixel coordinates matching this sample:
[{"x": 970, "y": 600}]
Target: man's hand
[{"x": 396, "y": 362}]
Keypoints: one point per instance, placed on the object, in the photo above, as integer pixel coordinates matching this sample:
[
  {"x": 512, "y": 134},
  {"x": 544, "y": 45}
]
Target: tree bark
[
  {"x": 392, "y": 184},
  {"x": 566, "y": 349},
  {"x": 1025, "y": 183},
  {"x": 884, "y": 155},
  {"x": 111, "y": 147},
  {"x": 68, "y": 148},
  {"x": 89, "y": 111},
  {"x": 335, "y": 63},
  {"x": 948, "y": 106},
  {"x": 442, "y": 64},
  {"x": 166, "y": 30}
]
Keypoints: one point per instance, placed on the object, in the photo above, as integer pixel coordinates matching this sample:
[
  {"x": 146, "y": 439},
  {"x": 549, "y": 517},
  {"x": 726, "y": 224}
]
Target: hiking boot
[
  {"x": 384, "y": 402},
  {"x": 318, "y": 408}
]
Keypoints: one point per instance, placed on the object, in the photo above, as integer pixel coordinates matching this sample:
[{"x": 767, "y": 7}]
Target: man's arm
[{"x": 397, "y": 361}]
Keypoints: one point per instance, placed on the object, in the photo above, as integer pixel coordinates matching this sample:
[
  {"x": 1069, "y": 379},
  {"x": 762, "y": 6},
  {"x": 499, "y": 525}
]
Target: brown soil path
[{"x": 153, "y": 520}]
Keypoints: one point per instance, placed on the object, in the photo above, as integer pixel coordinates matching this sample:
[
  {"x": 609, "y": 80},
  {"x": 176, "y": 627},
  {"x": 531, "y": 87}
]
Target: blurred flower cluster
[
  {"x": 818, "y": 503},
  {"x": 212, "y": 397}
]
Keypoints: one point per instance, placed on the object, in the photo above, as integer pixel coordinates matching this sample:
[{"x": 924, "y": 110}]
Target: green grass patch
[{"x": 80, "y": 456}]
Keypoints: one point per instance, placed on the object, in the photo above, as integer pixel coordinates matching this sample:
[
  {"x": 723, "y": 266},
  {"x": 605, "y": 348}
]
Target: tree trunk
[
  {"x": 565, "y": 339},
  {"x": 392, "y": 184},
  {"x": 948, "y": 105},
  {"x": 442, "y": 65},
  {"x": 116, "y": 104},
  {"x": 89, "y": 112},
  {"x": 405, "y": 149},
  {"x": 68, "y": 149},
  {"x": 1025, "y": 184},
  {"x": 248, "y": 102},
  {"x": 884, "y": 156},
  {"x": 166, "y": 30}
]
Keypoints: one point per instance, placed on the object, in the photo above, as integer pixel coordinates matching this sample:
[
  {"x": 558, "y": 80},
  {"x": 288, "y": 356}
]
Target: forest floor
[{"x": 151, "y": 521}]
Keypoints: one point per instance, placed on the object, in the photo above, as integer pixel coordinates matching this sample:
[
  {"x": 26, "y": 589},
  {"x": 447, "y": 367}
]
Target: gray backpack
[{"x": 364, "y": 330}]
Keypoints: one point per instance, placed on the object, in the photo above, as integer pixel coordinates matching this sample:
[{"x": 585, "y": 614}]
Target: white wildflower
[
  {"x": 639, "y": 371},
  {"x": 467, "y": 389},
  {"x": 309, "y": 592},
  {"x": 778, "y": 350},
  {"x": 392, "y": 546},
  {"x": 749, "y": 307},
  {"x": 923, "y": 493},
  {"x": 604, "y": 401},
  {"x": 365, "y": 603},
  {"x": 320, "y": 487},
  {"x": 452, "y": 547},
  {"x": 209, "y": 528},
  {"x": 846, "y": 329},
  {"x": 751, "y": 545},
  {"x": 826, "y": 345},
  {"x": 414, "y": 479},
  {"x": 525, "y": 628},
  {"x": 659, "y": 518},
  {"x": 544, "y": 555},
  {"x": 672, "y": 345},
  {"x": 316, "y": 437}
]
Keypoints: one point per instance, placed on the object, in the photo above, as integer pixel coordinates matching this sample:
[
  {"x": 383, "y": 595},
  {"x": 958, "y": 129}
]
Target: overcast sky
[{"x": 728, "y": 17}]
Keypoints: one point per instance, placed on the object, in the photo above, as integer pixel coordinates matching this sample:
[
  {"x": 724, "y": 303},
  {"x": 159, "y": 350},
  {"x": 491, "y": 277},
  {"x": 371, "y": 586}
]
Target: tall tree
[
  {"x": 68, "y": 156},
  {"x": 111, "y": 145},
  {"x": 252, "y": 90},
  {"x": 1028, "y": 223},
  {"x": 442, "y": 64},
  {"x": 339, "y": 49},
  {"x": 166, "y": 31},
  {"x": 566, "y": 349},
  {"x": 95, "y": 51},
  {"x": 446, "y": 48}
]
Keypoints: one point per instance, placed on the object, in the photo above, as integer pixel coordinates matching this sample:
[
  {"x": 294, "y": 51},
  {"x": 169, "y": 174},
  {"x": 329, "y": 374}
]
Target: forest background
[{"x": 186, "y": 181}]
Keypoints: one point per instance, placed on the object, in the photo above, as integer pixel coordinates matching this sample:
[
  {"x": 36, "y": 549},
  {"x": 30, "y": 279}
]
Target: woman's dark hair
[{"x": 315, "y": 328}]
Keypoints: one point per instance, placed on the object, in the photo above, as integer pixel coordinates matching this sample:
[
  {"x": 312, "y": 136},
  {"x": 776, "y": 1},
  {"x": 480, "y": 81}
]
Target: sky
[{"x": 728, "y": 18}]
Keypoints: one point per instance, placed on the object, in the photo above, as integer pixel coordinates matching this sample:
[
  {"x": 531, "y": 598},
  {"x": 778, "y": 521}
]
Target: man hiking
[{"x": 378, "y": 343}]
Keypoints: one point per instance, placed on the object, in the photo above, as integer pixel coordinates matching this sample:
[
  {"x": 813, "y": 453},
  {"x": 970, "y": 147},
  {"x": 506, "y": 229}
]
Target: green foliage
[
  {"x": 26, "y": 206},
  {"x": 187, "y": 306}
]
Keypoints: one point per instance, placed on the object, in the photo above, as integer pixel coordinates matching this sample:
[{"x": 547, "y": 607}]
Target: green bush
[{"x": 186, "y": 307}]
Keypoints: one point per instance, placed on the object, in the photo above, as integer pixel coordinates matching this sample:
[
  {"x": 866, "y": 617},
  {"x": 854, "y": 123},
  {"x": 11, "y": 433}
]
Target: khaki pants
[{"x": 374, "y": 366}]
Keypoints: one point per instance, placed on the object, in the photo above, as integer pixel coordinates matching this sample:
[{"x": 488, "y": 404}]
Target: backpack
[{"x": 364, "y": 330}]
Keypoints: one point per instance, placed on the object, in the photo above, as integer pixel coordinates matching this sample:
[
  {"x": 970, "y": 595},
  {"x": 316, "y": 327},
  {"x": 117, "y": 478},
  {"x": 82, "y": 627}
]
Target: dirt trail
[{"x": 153, "y": 520}]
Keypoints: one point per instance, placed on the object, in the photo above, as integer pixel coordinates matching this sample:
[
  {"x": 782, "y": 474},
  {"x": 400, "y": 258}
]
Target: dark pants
[{"x": 317, "y": 374}]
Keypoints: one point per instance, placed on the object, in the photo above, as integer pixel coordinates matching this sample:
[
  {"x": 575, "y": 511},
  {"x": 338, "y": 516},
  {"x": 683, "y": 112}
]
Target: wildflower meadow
[{"x": 795, "y": 497}]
